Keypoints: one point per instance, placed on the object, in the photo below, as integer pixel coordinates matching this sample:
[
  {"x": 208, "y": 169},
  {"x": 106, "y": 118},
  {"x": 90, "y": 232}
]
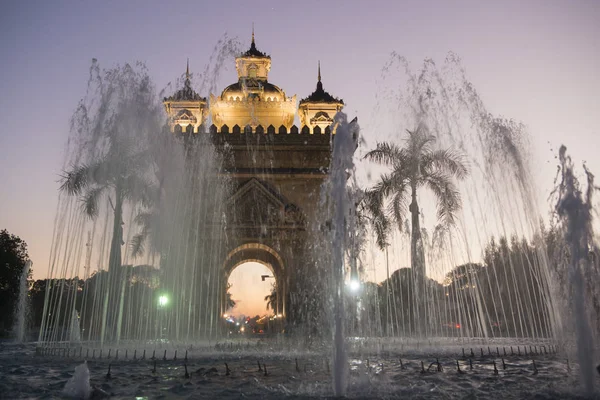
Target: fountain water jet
[
  {"x": 23, "y": 306},
  {"x": 507, "y": 293},
  {"x": 165, "y": 291},
  {"x": 78, "y": 386},
  {"x": 336, "y": 189},
  {"x": 575, "y": 212}
]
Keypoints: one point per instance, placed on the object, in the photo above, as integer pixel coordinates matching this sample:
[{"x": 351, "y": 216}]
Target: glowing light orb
[
  {"x": 163, "y": 301},
  {"x": 354, "y": 285}
]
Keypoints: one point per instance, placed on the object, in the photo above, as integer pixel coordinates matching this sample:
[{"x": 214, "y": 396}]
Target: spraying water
[
  {"x": 23, "y": 306},
  {"x": 155, "y": 234},
  {"x": 75, "y": 333},
  {"x": 574, "y": 209},
  {"x": 494, "y": 271},
  {"x": 78, "y": 386},
  {"x": 341, "y": 166}
]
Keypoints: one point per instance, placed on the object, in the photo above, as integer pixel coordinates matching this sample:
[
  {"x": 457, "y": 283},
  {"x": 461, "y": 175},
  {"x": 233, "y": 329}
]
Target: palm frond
[
  {"x": 440, "y": 236},
  {"x": 381, "y": 226},
  {"x": 447, "y": 196},
  {"x": 388, "y": 184},
  {"x": 393, "y": 185},
  {"x": 446, "y": 161},
  {"x": 144, "y": 219},
  {"x": 101, "y": 171},
  {"x": 139, "y": 189},
  {"x": 73, "y": 182},
  {"x": 386, "y": 154},
  {"x": 90, "y": 201},
  {"x": 373, "y": 201},
  {"x": 76, "y": 180},
  {"x": 138, "y": 243},
  {"x": 398, "y": 207},
  {"x": 419, "y": 140}
]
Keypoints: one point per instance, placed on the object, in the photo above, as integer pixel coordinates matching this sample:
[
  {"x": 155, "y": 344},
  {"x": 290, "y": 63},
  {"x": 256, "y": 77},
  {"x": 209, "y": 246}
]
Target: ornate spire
[
  {"x": 320, "y": 95},
  {"x": 185, "y": 93},
  {"x": 319, "y": 83},
  {"x": 254, "y": 52},
  {"x": 319, "y": 77},
  {"x": 187, "y": 84}
]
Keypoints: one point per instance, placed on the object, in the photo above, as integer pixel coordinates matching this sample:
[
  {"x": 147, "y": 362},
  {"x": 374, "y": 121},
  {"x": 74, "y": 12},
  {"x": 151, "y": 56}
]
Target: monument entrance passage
[{"x": 275, "y": 168}]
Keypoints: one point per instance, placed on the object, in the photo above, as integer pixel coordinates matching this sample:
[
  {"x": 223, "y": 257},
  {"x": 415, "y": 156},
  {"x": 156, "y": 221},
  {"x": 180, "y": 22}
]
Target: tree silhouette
[
  {"x": 413, "y": 166},
  {"x": 271, "y": 299},
  {"x": 119, "y": 175},
  {"x": 114, "y": 134},
  {"x": 229, "y": 302},
  {"x": 13, "y": 257}
]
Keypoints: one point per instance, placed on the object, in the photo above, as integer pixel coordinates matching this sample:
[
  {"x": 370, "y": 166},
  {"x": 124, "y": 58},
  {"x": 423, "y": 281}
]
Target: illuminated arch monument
[{"x": 276, "y": 168}]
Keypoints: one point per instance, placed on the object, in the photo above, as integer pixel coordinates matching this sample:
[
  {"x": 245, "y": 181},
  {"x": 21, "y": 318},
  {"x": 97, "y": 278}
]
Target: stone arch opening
[
  {"x": 253, "y": 284},
  {"x": 261, "y": 254}
]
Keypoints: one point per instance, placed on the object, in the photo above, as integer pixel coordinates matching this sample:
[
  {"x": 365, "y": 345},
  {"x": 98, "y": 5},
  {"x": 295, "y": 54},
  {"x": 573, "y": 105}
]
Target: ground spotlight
[
  {"x": 354, "y": 285},
  {"x": 163, "y": 300}
]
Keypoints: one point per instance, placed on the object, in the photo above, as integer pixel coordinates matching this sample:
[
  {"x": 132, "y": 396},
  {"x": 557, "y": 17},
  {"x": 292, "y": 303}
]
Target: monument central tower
[{"x": 276, "y": 168}]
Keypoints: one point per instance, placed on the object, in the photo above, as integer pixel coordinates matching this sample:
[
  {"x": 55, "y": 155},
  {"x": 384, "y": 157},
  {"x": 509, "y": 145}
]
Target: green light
[{"x": 163, "y": 300}]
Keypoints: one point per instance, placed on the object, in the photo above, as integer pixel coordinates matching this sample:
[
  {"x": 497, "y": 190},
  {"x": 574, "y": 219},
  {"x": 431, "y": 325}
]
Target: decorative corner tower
[
  {"x": 253, "y": 100},
  {"x": 186, "y": 109},
  {"x": 319, "y": 108}
]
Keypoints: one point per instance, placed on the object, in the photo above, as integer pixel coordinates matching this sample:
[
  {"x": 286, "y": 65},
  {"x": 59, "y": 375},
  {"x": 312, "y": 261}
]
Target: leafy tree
[
  {"x": 507, "y": 295},
  {"x": 401, "y": 317},
  {"x": 414, "y": 166},
  {"x": 514, "y": 287},
  {"x": 117, "y": 174},
  {"x": 462, "y": 276},
  {"x": 13, "y": 258},
  {"x": 113, "y": 160},
  {"x": 271, "y": 299},
  {"x": 37, "y": 294},
  {"x": 462, "y": 289},
  {"x": 229, "y": 302}
]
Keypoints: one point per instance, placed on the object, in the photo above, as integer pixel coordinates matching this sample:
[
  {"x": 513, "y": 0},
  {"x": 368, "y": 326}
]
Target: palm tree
[
  {"x": 229, "y": 301},
  {"x": 414, "y": 166},
  {"x": 271, "y": 299},
  {"x": 118, "y": 174}
]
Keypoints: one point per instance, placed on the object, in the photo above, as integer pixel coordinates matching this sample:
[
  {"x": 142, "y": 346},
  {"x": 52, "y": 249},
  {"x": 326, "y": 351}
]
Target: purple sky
[{"x": 535, "y": 61}]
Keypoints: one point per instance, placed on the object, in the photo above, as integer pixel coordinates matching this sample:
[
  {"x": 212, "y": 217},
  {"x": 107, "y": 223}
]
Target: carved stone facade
[
  {"x": 276, "y": 168},
  {"x": 278, "y": 179},
  {"x": 186, "y": 109},
  {"x": 252, "y": 100}
]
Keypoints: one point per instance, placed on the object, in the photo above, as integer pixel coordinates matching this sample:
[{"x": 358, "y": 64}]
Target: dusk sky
[{"x": 534, "y": 61}]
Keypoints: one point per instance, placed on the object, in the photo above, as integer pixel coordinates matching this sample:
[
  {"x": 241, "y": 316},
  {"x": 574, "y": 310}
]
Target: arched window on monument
[{"x": 252, "y": 70}]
